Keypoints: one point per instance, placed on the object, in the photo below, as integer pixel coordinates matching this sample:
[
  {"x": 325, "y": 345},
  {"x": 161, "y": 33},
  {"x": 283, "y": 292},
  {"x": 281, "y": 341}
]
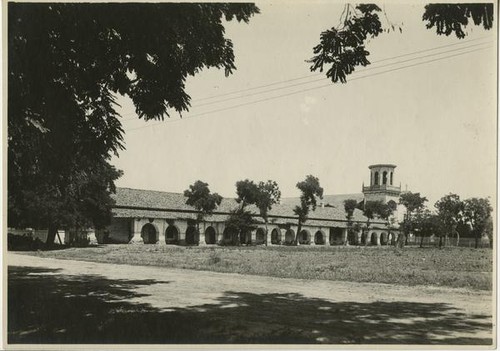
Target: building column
[
  {"x": 135, "y": 227},
  {"x": 327, "y": 237},
  {"x": 201, "y": 235},
  {"x": 182, "y": 226},
  {"x": 268, "y": 237},
  {"x": 345, "y": 240},
  {"x": 377, "y": 235},
  {"x": 360, "y": 236}
]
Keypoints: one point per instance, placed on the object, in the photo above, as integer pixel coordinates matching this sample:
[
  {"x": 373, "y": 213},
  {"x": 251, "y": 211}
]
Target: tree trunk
[
  {"x": 267, "y": 233},
  {"x": 401, "y": 240},
  {"x": 477, "y": 240},
  {"x": 299, "y": 229},
  {"x": 445, "y": 239},
  {"x": 422, "y": 241},
  {"x": 440, "y": 241},
  {"x": 51, "y": 235}
]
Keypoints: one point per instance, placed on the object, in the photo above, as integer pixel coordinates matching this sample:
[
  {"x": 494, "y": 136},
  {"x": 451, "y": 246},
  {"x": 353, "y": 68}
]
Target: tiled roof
[{"x": 154, "y": 204}]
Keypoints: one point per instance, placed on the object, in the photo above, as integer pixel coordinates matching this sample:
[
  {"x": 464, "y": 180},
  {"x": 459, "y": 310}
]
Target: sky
[{"x": 426, "y": 104}]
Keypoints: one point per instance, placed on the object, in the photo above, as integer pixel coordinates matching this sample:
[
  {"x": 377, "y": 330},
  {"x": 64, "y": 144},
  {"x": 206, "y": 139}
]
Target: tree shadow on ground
[{"x": 46, "y": 306}]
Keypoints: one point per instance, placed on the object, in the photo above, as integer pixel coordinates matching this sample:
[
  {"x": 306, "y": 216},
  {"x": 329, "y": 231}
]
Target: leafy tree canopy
[
  {"x": 247, "y": 192},
  {"x": 449, "y": 209},
  {"x": 199, "y": 196},
  {"x": 349, "y": 206},
  {"x": 66, "y": 64},
  {"x": 310, "y": 190},
  {"x": 268, "y": 194},
  {"x": 343, "y": 48},
  {"x": 412, "y": 201}
]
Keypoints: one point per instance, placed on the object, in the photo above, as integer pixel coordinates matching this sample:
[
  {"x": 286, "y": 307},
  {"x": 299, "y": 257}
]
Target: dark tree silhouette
[
  {"x": 198, "y": 195},
  {"x": 343, "y": 48},
  {"x": 350, "y": 206},
  {"x": 66, "y": 64},
  {"x": 477, "y": 212},
  {"x": 412, "y": 202},
  {"x": 310, "y": 190},
  {"x": 450, "y": 209},
  {"x": 268, "y": 195}
]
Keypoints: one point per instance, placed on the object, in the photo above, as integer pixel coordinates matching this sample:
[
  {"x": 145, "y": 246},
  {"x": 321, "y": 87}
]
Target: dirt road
[{"x": 63, "y": 301}]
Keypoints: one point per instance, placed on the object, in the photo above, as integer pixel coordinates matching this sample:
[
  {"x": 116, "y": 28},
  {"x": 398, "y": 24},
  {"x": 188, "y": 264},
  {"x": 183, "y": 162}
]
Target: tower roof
[{"x": 382, "y": 165}]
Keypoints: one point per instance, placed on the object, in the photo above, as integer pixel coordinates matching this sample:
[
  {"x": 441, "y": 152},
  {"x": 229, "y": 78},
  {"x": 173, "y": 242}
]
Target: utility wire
[
  {"x": 309, "y": 89},
  {"x": 372, "y": 66},
  {"x": 317, "y": 74},
  {"x": 322, "y": 79}
]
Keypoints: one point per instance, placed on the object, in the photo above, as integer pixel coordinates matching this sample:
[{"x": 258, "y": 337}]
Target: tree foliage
[
  {"x": 198, "y": 195},
  {"x": 477, "y": 212},
  {"x": 413, "y": 202},
  {"x": 67, "y": 62},
  {"x": 449, "y": 209},
  {"x": 454, "y": 18},
  {"x": 247, "y": 192},
  {"x": 268, "y": 194},
  {"x": 350, "y": 206},
  {"x": 310, "y": 190},
  {"x": 343, "y": 48}
]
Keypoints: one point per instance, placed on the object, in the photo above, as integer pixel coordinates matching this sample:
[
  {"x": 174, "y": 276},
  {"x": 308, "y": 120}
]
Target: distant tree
[
  {"x": 450, "y": 209},
  {"x": 343, "y": 48},
  {"x": 247, "y": 193},
  {"x": 369, "y": 211},
  {"x": 374, "y": 209},
  {"x": 67, "y": 62},
  {"x": 477, "y": 212},
  {"x": 268, "y": 194},
  {"x": 198, "y": 195},
  {"x": 350, "y": 206},
  {"x": 426, "y": 224},
  {"x": 240, "y": 221},
  {"x": 412, "y": 202},
  {"x": 310, "y": 190}
]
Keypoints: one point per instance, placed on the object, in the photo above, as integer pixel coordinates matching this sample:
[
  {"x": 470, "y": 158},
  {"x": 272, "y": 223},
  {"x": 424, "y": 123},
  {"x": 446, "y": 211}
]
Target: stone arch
[
  {"x": 172, "y": 234},
  {"x": 289, "y": 237},
  {"x": 210, "y": 236},
  {"x": 260, "y": 236},
  {"x": 335, "y": 236},
  {"x": 304, "y": 237},
  {"x": 384, "y": 238},
  {"x": 384, "y": 178},
  {"x": 192, "y": 237},
  {"x": 276, "y": 236},
  {"x": 373, "y": 238},
  {"x": 319, "y": 238},
  {"x": 376, "y": 178},
  {"x": 246, "y": 237},
  {"x": 149, "y": 233},
  {"x": 392, "y": 238},
  {"x": 229, "y": 235}
]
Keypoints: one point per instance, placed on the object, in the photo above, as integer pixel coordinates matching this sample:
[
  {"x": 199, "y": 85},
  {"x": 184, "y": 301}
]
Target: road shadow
[{"x": 47, "y": 306}]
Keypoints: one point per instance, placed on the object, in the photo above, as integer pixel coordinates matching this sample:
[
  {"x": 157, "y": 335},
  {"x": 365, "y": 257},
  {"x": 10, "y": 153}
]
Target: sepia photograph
[{"x": 261, "y": 175}]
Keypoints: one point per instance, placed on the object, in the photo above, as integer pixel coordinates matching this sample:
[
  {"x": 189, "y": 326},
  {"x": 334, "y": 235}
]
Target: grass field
[{"x": 452, "y": 267}]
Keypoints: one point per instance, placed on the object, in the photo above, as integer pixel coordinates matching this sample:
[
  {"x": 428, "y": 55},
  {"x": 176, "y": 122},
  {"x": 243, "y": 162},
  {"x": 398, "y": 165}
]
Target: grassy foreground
[{"x": 451, "y": 267}]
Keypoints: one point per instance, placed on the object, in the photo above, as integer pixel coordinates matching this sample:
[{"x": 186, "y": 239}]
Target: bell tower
[{"x": 382, "y": 186}]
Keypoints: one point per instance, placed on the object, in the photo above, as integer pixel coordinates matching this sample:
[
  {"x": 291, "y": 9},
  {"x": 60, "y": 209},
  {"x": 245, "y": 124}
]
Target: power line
[
  {"x": 322, "y": 79},
  {"x": 309, "y": 89},
  {"x": 373, "y": 66},
  {"x": 317, "y": 74}
]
